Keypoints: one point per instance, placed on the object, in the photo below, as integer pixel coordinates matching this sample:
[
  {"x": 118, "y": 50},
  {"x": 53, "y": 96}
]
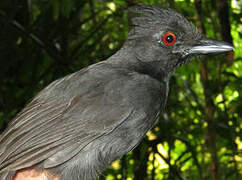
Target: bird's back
[{"x": 98, "y": 113}]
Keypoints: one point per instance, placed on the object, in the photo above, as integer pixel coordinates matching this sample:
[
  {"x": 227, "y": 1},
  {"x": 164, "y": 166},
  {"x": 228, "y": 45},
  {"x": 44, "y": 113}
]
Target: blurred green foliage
[{"x": 41, "y": 41}]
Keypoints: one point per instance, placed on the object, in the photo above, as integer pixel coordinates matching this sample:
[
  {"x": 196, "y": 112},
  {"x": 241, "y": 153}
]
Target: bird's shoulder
[{"x": 103, "y": 77}]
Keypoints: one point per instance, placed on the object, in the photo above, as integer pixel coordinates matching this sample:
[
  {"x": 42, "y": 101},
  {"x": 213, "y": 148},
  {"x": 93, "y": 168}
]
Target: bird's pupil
[{"x": 169, "y": 39}]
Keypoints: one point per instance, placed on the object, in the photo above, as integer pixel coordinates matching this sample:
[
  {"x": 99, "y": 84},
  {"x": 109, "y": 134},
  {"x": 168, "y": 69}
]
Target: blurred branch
[
  {"x": 153, "y": 169},
  {"x": 97, "y": 28},
  {"x": 92, "y": 9},
  {"x": 225, "y": 28},
  {"x": 192, "y": 149},
  {"x": 51, "y": 50},
  {"x": 124, "y": 167},
  {"x": 74, "y": 53},
  {"x": 172, "y": 168},
  {"x": 182, "y": 154},
  {"x": 191, "y": 92},
  {"x": 209, "y": 104},
  {"x": 23, "y": 30},
  {"x": 85, "y": 20},
  {"x": 141, "y": 159},
  {"x": 198, "y": 6}
]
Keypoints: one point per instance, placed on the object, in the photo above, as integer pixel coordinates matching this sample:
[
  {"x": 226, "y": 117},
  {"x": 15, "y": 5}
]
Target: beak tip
[
  {"x": 228, "y": 47},
  {"x": 210, "y": 46}
]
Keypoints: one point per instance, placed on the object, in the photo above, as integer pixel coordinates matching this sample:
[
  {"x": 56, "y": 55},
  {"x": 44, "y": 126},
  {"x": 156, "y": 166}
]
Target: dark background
[{"x": 198, "y": 137}]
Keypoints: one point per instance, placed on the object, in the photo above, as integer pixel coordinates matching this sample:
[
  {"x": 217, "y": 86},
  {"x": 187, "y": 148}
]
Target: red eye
[{"x": 169, "y": 38}]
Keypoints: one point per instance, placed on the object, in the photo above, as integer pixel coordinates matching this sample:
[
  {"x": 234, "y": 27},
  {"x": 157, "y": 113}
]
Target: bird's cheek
[{"x": 181, "y": 51}]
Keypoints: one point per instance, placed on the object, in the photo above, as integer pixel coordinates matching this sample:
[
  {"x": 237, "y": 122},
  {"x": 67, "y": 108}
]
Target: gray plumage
[{"x": 79, "y": 124}]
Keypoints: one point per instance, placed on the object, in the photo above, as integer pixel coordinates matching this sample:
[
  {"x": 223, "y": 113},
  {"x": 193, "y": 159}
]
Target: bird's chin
[{"x": 183, "y": 60}]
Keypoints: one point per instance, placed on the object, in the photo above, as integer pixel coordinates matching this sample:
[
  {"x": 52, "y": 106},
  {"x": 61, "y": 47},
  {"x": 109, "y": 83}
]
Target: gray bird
[{"x": 79, "y": 124}]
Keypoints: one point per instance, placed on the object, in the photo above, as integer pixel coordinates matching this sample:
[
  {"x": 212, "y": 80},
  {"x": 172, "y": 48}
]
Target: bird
[{"x": 79, "y": 124}]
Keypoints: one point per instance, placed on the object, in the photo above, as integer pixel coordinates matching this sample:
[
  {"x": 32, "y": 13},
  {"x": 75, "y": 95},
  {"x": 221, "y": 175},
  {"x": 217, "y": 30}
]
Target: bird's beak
[
  {"x": 210, "y": 46},
  {"x": 204, "y": 46}
]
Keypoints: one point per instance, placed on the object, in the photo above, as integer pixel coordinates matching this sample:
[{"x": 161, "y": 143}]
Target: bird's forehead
[{"x": 182, "y": 26}]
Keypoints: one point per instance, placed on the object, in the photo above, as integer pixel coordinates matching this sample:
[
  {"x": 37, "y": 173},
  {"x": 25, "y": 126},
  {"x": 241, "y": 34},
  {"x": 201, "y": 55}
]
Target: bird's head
[{"x": 166, "y": 37}]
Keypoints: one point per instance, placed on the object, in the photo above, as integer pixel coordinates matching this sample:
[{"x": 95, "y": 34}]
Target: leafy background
[{"x": 198, "y": 136}]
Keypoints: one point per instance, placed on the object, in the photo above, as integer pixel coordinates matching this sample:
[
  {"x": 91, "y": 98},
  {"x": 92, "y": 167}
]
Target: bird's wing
[{"x": 61, "y": 126}]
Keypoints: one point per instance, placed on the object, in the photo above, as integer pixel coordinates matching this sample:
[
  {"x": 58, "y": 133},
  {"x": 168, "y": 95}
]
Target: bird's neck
[{"x": 128, "y": 58}]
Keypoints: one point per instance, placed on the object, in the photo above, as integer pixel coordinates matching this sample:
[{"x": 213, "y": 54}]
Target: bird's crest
[{"x": 150, "y": 16}]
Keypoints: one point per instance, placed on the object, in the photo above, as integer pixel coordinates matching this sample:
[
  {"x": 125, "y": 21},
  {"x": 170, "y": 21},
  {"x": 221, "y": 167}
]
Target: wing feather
[
  {"x": 53, "y": 129},
  {"x": 19, "y": 134},
  {"x": 55, "y": 135}
]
